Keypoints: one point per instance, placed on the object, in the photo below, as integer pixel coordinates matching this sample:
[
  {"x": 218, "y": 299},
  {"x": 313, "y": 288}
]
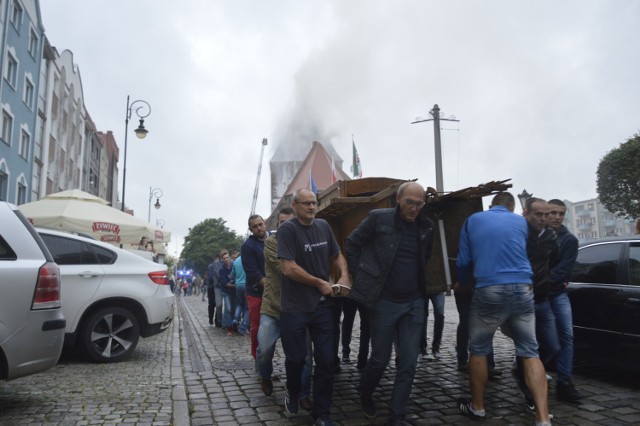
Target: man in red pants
[{"x": 252, "y": 254}]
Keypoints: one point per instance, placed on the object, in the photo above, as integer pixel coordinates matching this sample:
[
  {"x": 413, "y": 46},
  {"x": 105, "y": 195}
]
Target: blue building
[{"x": 21, "y": 57}]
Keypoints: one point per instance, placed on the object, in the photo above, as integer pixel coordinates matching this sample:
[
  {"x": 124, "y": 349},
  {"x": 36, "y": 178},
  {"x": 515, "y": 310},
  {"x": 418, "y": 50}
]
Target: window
[
  {"x": 28, "y": 93},
  {"x": 597, "y": 264},
  {"x": 22, "y": 194},
  {"x": 11, "y": 72},
  {"x": 4, "y": 185},
  {"x": 6, "y": 252},
  {"x": 16, "y": 15},
  {"x": 33, "y": 44},
  {"x": 24, "y": 144},
  {"x": 7, "y": 126},
  {"x": 634, "y": 264},
  {"x": 105, "y": 257},
  {"x": 67, "y": 251}
]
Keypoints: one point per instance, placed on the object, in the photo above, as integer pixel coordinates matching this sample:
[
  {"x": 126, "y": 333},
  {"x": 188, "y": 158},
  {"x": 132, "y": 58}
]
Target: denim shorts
[{"x": 510, "y": 306}]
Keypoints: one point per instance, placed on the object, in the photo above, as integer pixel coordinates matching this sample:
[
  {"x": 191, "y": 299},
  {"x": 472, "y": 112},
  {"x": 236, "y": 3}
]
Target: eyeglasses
[
  {"x": 307, "y": 203},
  {"x": 413, "y": 203}
]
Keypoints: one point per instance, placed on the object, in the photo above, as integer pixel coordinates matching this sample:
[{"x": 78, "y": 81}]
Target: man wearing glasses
[
  {"x": 387, "y": 255},
  {"x": 307, "y": 248}
]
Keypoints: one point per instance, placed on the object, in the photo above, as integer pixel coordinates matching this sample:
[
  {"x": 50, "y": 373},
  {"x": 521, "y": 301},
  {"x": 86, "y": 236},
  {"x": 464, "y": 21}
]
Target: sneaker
[
  {"x": 464, "y": 405},
  {"x": 324, "y": 421},
  {"x": 565, "y": 391},
  {"x": 436, "y": 354},
  {"x": 345, "y": 359},
  {"x": 230, "y": 331},
  {"x": 267, "y": 386},
  {"x": 210, "y": 321},
  {"x": 306, "y": 404},
  {"x": 428, "y": 357},
  {"x": 367, "y": 405},
  {"x": 531, "y": 406},
  {"x": 291, "y": 404}
]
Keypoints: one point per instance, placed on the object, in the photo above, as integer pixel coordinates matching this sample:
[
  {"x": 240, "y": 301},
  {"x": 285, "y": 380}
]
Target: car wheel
[{"x": 110, "y": 335}]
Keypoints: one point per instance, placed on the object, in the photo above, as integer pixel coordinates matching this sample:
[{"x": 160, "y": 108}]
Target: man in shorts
[{"x": 492, "y": 250}]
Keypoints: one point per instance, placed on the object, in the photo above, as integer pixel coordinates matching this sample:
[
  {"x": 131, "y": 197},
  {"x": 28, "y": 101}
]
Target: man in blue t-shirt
[
  {"x": 307, "y": 248},
  {"x": 492, "y": 250}
]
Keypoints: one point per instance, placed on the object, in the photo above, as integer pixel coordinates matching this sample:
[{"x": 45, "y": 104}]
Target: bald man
[{"x": 387, "y": 256}]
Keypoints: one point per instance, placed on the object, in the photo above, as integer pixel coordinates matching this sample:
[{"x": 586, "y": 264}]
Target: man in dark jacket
[
  {"x": 252, "y": 257},
  {"x": 543, "y": 253},
  {"x": 559, "y": 300},
  {"x": 387, "y": 256}
]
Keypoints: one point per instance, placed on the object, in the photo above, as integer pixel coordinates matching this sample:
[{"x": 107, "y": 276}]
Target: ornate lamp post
[
  {"x": 523, "y": 197},
  {"x": 154, "y": 192},
  {"x": 142, "y": 110}
]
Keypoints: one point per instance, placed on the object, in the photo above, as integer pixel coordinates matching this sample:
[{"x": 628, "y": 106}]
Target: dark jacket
[
  {"x": 371, "y": 250},
  {"x": 561, "y": 272},
  {"x": 543, "y": 254},
  {"x": 252, "y": 255}
]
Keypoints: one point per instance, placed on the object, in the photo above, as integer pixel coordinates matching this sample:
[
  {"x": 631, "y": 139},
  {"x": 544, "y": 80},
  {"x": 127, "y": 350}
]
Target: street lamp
[
  {"x": 523, "y": 197},
  {"x": 155, "y": 192},
  {"x": 142, "y": 110}
]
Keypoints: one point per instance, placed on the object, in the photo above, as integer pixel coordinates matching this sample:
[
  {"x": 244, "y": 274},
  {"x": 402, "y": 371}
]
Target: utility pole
[
  {"x": 436, "y": 116},
  {"x": 255, "y": 191}
]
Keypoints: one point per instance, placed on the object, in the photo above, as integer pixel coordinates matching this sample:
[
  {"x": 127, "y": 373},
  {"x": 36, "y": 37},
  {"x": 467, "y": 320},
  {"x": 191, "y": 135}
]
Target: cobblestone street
[{"x": 194, "y": 374}]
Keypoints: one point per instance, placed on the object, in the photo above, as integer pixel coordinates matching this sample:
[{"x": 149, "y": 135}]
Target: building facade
[
  {"x": 590, "y": 220},
  {"x": 21, "y": 58},
  {"x": 48, "y": 141}
]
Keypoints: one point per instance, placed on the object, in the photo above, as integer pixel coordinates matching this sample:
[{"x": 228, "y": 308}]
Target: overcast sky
[{"x": 542, "y": 91}]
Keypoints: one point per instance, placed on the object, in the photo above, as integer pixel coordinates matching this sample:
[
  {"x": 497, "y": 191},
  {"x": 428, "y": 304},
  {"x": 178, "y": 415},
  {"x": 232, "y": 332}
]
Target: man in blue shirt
[{"x": 492, "y": 249}]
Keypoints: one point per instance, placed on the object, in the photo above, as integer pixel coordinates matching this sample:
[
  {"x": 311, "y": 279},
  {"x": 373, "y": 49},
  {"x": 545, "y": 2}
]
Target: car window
[
  {"x": 105, "y": 257},
  {"x": 6, "y": 253},
  {"x": 597, "y": 264},
  {"x": 67, "y": 251},
  {"x": 634, "y": 264}
]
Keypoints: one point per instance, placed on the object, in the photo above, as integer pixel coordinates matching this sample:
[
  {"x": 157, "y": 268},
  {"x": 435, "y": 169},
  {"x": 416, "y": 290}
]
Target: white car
[
  {"x": 110, "y": 297},
  {"x": 31, "y": 321}
]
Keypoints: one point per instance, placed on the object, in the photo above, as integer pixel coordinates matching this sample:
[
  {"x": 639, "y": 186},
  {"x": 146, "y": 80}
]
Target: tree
[
  {"x": 205, "y": 240},
  {"x": 619, "y": 179}
]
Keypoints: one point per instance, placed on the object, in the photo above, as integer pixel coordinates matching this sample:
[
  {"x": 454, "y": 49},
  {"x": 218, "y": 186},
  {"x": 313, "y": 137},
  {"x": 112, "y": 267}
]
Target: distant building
[
  {"x": 589, "y": 220},
  {"x": 321, "y": 165},
  {"x": 21, "y": 46},
  {"x": 48, "y": 141}
]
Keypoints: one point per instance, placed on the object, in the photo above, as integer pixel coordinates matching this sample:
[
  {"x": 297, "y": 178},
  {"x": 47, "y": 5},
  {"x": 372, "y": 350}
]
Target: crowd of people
[{"x": 512, "y": 272}]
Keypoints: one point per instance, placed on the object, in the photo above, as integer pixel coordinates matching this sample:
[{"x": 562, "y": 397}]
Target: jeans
[
  {"x": 546, "y": 331},
  {"x": 268, "y": 335},
  {"x": 242, "y": 310},
  {"x": 437, "y": 300},
  {"x": 218, "y": 293},
  {"x": 389, "y": 321},
  {"x": 294, "y": 326},
  {"x": 463, "y": 303},
  {"x": 253, "y": 307},
  {"x": 509, "y": 306},
  {"x": 229, "y": 300},
  {"x": 561, "y": 307},
  {"x": 349, "y": 309}
]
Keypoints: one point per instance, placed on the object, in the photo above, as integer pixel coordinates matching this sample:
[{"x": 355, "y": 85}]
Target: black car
[{"x": 605, "y": 297}]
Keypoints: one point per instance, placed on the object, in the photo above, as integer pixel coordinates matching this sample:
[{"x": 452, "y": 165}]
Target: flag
[
  {"x": 312, "y": 184},
  {"x": 356, "y": 168},
  {"x": 334, "y": 175}
]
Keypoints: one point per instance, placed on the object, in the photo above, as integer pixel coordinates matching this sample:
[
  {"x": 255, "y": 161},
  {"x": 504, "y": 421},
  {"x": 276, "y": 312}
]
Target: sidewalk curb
[{"x": 178, "y": 393}]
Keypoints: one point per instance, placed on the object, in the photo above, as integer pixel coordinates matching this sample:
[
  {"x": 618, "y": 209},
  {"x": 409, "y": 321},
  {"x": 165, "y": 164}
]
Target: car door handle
[{"x": 88, "y": 274}]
